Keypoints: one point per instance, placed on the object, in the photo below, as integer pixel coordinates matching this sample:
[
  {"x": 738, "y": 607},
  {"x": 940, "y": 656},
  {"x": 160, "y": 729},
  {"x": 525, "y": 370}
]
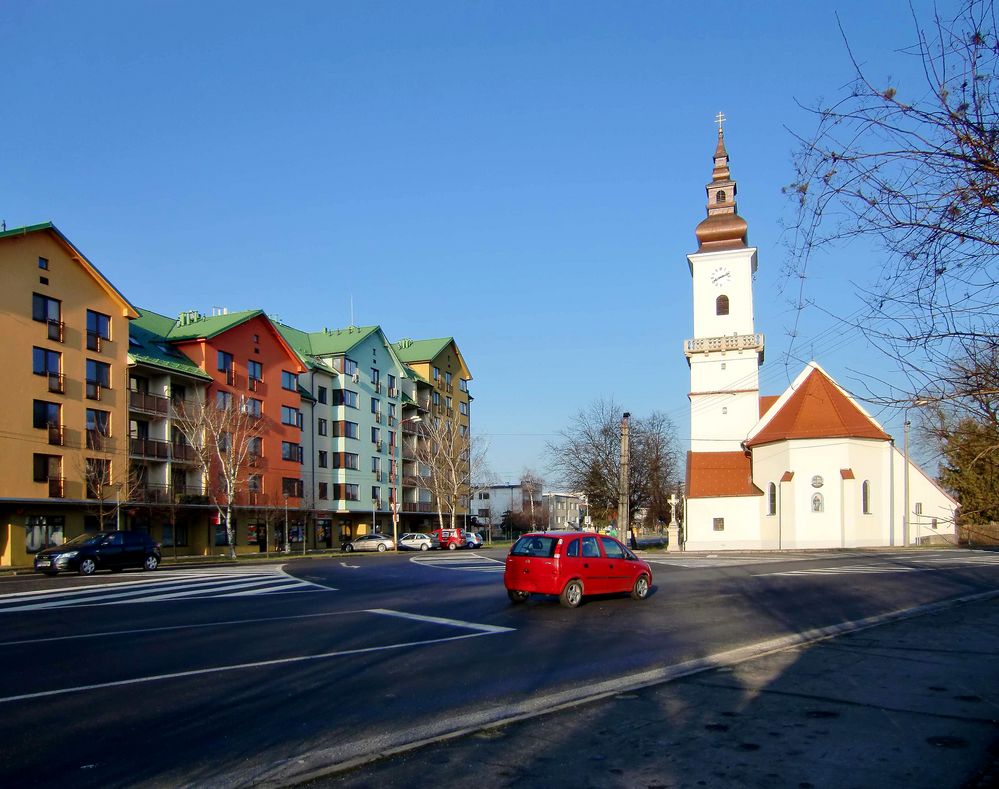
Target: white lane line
[
  {"x": 215, "y": 590},
  {"x": 144, "y": 630},
  {"x": 437, "y": 620},
  {"x": 298, "y": 587},
  {"x": 236, "y": 667}
]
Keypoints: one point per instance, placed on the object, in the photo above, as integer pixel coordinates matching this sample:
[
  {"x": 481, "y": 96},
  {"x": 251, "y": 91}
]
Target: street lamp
[{"x": 287, "y": 532}]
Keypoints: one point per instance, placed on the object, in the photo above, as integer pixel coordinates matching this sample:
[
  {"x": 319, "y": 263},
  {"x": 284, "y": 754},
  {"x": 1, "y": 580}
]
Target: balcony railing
[
  {"x": 93, "y": 390},
  {"x": 148, "y": 403},
  {"x": 183, "y": 453},
  {"x": 57, "y": 437},
  {"x": 57, "y": 383},
  {"x": 735, "y": 342},
  {"x": 418, "y": 506},
  {"x": 95, "y": 342},
  {"x": 256, "y": 385},
  {"x": 378, "y": 387},
  {"x": 56, "y": 330},
  {"x": 149, "y": 448},
  {"x": 97, "y": 440},
  {"x": 57, "y": 487},
  {"x": 378, "y": 417},
  {"x": 393, "y": 392}
]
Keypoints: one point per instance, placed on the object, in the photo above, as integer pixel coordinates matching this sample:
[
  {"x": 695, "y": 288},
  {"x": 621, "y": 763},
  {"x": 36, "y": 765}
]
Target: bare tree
[
  {"x": 587, "y": 457},
  {"x": 223, "y": 434},
  {"x": 449, "y": 460},
  {"x": 531, "y": 487},
  {"x": 915, "y": 171}
]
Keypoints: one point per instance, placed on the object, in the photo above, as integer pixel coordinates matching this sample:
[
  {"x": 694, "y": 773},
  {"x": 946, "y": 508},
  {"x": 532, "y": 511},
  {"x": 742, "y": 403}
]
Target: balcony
[
  {"x": 95, "y": 342},
  {"x": 57, "y": 437},
  {"x": 57, "y": 487},
  {"x": 183, "y": 453},
  {"x": 393, "y": 392},
  {"x": 56, "y": 330},
  {"x": 418, "y": 506},
  {"x": 148, "y": 403},
  {"x": 57, "y": 383},
  {"x": 735, "y": 342},
  {"x": 378, "y": 417},
  {"x": 378, "y": 387},
  {"x": 256, "y": 385},
  {"x": 153, "y": 494},
  {"x": 413, "y": 481},
  {"x": 231, "y": 378},
  {"x": 97, "y": 440},
  {"x": 149, "y": 448}
]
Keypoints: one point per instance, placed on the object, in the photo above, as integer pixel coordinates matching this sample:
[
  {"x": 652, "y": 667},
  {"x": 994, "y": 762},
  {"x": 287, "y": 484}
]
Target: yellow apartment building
[{"x": 64, "y": 408}]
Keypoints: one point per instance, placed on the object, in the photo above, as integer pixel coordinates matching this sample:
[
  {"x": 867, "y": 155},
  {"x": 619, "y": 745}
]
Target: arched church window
[
  {"x": 772, "y": 499},
  {"x": 720, "y": 196},
  {"x": 721, "y": 305},
  {"x": 817, "y": 504},
  {"x": 865, "y": 497}
]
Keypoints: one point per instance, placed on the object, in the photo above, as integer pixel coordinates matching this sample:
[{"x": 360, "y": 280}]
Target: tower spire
[{"x": 724, "y": 228}]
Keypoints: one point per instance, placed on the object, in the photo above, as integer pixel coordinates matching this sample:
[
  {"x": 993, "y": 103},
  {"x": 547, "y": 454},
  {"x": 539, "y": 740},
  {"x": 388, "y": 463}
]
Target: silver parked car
[
  {"x": 370, "y": 542},
  {"x": 417, "y": 542}
]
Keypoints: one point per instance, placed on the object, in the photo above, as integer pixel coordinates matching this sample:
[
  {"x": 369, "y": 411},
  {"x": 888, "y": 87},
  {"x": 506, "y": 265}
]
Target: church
[{"x": 808, "y": 468}]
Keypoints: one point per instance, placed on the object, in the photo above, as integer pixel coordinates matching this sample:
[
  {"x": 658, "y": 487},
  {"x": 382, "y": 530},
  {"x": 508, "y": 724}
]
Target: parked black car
[{"x": 102, "y": 550}]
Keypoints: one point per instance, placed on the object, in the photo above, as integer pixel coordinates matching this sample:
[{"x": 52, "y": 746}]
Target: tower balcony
[{"x": 734, "y": 342}]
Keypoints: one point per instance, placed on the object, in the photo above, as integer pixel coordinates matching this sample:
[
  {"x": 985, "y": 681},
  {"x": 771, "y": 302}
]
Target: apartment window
[
  {"x": 345, "y": 397},
  {"x": 255, "y": 447},
  {"x": 463, "y": 430},
  {"x": 253, "y": 406},
  {"x": 43, "y": 263},
  {"x": 375, "y": 376},
  {"x": 291, "y": 451},
  {"x": 376, "y": 435},
  {"x": 224, "y": 362},
  {"x": 98, "y": 329},
  {"x": 437, "y": 374},
  {"x": 376, "y": 405},
  {"x": 44, "y": 308},
  {"x": 345, "y": 429},
  {"x": 865, "y": 497},
  {"x": 45, "y": 362},
  {"x": 254, "y": 371},
  {"x": 376, "y": 493},
  {"x": 436, "y": 399},
  {"x": 463, "y": 408},
  {"x": 463, "y": 384},
  {"x": 289, "y": 381},
  {"x": 772, "y": 499},
  {"x": 376, "y": 465},
  {"x": 291, "y": 487},
  {"x": 45, "y": 414},
  {"x": 98, "y": 378},
  {"x": 447, "y": 378},
  {"x": 391, "y": 385},
  {"x": 391, "y": 439},
  {"x": 349, "y": 366},
  {"x": 718, "y": 524},
  {"x": 322, "y": 394},
  {"x": 391, "y": 412},
  {"x": 345, "y": 460},
  {"x": 254, "y": 483},
  {"x": 223, "y": 400},
  {"x": 351, "y": 492},
  {"x": 324, "y": 459},
  {"x": 450, "y": 404},
  {"x": 291, "y": 416},
  {"x": 322, "y": 426},
  {"x": 98, "y": 428},
  {"x": 324, "y": 490}
]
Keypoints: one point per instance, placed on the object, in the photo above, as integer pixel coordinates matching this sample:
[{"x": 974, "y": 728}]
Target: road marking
[
  {"x": 478, "y": 630},
  {"x": 466, "y": 562},
  {"x": 200, "y": 584},
  {"x": 919, "y": 564},
  {"x": 437, "y": 620}
]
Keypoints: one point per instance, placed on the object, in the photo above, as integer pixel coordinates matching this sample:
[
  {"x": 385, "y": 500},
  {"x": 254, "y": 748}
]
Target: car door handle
[{"x": 586, "y": 565}]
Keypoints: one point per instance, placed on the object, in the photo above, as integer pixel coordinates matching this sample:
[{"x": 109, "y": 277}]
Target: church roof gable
[
  {"x": 720, "y": 474},
  {"x": 814, "y": 406}
]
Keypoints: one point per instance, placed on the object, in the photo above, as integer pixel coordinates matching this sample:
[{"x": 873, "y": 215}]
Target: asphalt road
[{"x": 248, "y": 675}]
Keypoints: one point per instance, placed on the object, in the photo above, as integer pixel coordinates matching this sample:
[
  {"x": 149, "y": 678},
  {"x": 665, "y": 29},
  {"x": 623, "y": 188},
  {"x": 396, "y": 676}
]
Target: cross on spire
[{"x": 720, "y": 119}]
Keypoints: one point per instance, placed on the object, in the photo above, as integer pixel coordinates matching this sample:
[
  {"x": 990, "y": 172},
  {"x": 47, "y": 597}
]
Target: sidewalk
[{"x": 914, "y": 703}]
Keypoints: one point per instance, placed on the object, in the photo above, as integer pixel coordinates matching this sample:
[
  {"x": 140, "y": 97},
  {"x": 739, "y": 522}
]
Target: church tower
[{"x": 725, "y": 352}]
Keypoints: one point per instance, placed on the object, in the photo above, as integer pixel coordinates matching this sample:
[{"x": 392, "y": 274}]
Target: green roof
[
  {"x": 420, "y": 350},
  {"x": 23, "y": 231},
  {"x": 328, "y": 342},
  {"x": 194, "y": 326},
  {"x": 148, "y": 344}
]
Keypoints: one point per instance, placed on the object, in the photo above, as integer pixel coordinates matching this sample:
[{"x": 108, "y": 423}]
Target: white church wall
[
  {"x": 926, "y": 497},
  {"x": 740, "y": 521},
  {"x": 738, "y": 287}
]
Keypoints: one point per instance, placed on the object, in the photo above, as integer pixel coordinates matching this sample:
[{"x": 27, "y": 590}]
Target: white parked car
[
  {"x": 417, "y": 542},
  {"x": 473, "y": 540}
]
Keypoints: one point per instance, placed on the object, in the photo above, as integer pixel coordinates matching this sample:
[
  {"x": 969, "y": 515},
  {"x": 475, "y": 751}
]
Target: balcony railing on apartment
[
  {"x": 57, "y": 487},
  {"x": 57, "y": 436},
  {"x": 95, "y": 342},
  {"x": 152, "y": 448},
  {"x": 393, "y": 392},
  {"x": 57, "y": 383},
  {"x": 56, "y": 330},
  {"x": 183, "y": 453},
  {"x": 256, "y": 385},
  {"x": 97, "y": 440},
  {"x": 154, "y": 493},
  {"x": 148, "y": 403},
  {"x": 418, "y": 506},
  {"x": 93, "y": 390},
  {"x": 231, "y": 377}
]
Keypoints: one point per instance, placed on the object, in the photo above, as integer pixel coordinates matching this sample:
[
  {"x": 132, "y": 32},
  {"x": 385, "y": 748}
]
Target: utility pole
[{"x": 622, "y": 506}]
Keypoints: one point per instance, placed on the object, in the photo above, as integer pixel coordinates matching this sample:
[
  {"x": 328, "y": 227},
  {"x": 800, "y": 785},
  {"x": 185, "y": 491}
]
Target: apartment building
[
  {"x": 64, "y": 410},
  {"x": 565, "y": 510},
  {"x": 440, "y": 380}
]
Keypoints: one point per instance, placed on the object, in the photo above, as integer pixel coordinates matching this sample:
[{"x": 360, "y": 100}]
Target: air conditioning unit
[{"x": 356, "y": 377}]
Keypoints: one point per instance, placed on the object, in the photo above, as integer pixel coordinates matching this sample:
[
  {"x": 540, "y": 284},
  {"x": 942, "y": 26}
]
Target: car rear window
[{"x": 534, "y": 546}]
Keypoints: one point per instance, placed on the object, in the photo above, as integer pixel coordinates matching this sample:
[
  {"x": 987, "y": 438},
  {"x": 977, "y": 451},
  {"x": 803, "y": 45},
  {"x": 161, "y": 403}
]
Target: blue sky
[{"x": 524, "y": 176}]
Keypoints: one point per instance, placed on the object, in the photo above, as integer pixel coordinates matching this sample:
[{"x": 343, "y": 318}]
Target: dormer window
[{"x": 721, "y": 305}]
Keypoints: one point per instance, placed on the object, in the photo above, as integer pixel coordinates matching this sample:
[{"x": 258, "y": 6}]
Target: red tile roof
[
  {"x": 818, "y": 409},
  {"x": 766, "y": 401},
  {"x": 719, "y": 474}
]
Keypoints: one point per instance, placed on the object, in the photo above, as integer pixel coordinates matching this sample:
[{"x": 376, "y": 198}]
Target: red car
[
  {"x": 573, "y": 564},
  {"x": 449, "y": 539}
]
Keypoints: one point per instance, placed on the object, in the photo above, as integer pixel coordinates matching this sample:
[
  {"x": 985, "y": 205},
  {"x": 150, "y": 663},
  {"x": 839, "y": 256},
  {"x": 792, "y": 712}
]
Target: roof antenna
[{"x": 3, "y": 226}]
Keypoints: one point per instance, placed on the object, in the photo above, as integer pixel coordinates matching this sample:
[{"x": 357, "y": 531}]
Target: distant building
[
  {"x": 565, "y": 510},
  {"x": 809, "y": 468}
]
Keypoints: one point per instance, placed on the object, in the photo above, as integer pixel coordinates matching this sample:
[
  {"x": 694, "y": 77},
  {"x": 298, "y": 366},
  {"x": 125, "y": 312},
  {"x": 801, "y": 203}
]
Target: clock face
[{"x": 721, "y": 276}]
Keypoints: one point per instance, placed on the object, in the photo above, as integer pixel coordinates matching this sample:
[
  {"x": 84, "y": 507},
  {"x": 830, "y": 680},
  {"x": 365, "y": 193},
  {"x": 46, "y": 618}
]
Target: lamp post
[
  {"x": 914, "y": 403},
  {"x": 287, "y": 532}
]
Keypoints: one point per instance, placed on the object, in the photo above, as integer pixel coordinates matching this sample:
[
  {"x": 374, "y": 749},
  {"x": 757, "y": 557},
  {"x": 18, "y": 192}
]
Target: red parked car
[{"x": 573, "y": 564}]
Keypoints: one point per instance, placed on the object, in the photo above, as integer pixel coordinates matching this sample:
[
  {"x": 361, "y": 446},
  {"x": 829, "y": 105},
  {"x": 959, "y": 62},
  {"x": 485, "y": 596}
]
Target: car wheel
[
  {"x": 424, "y": 547},
  {"x": 381, "y": 547},
  {"x": 453, "y": 546},
  {"x": 641, "y": 588},
  {"x": 517, "y": 597},
  {"x": 87, "y": 566},
  {"x": 151, "y": 562},
  {"x": 348, "y": 547},
  {"x": 572, "y": 595}
]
